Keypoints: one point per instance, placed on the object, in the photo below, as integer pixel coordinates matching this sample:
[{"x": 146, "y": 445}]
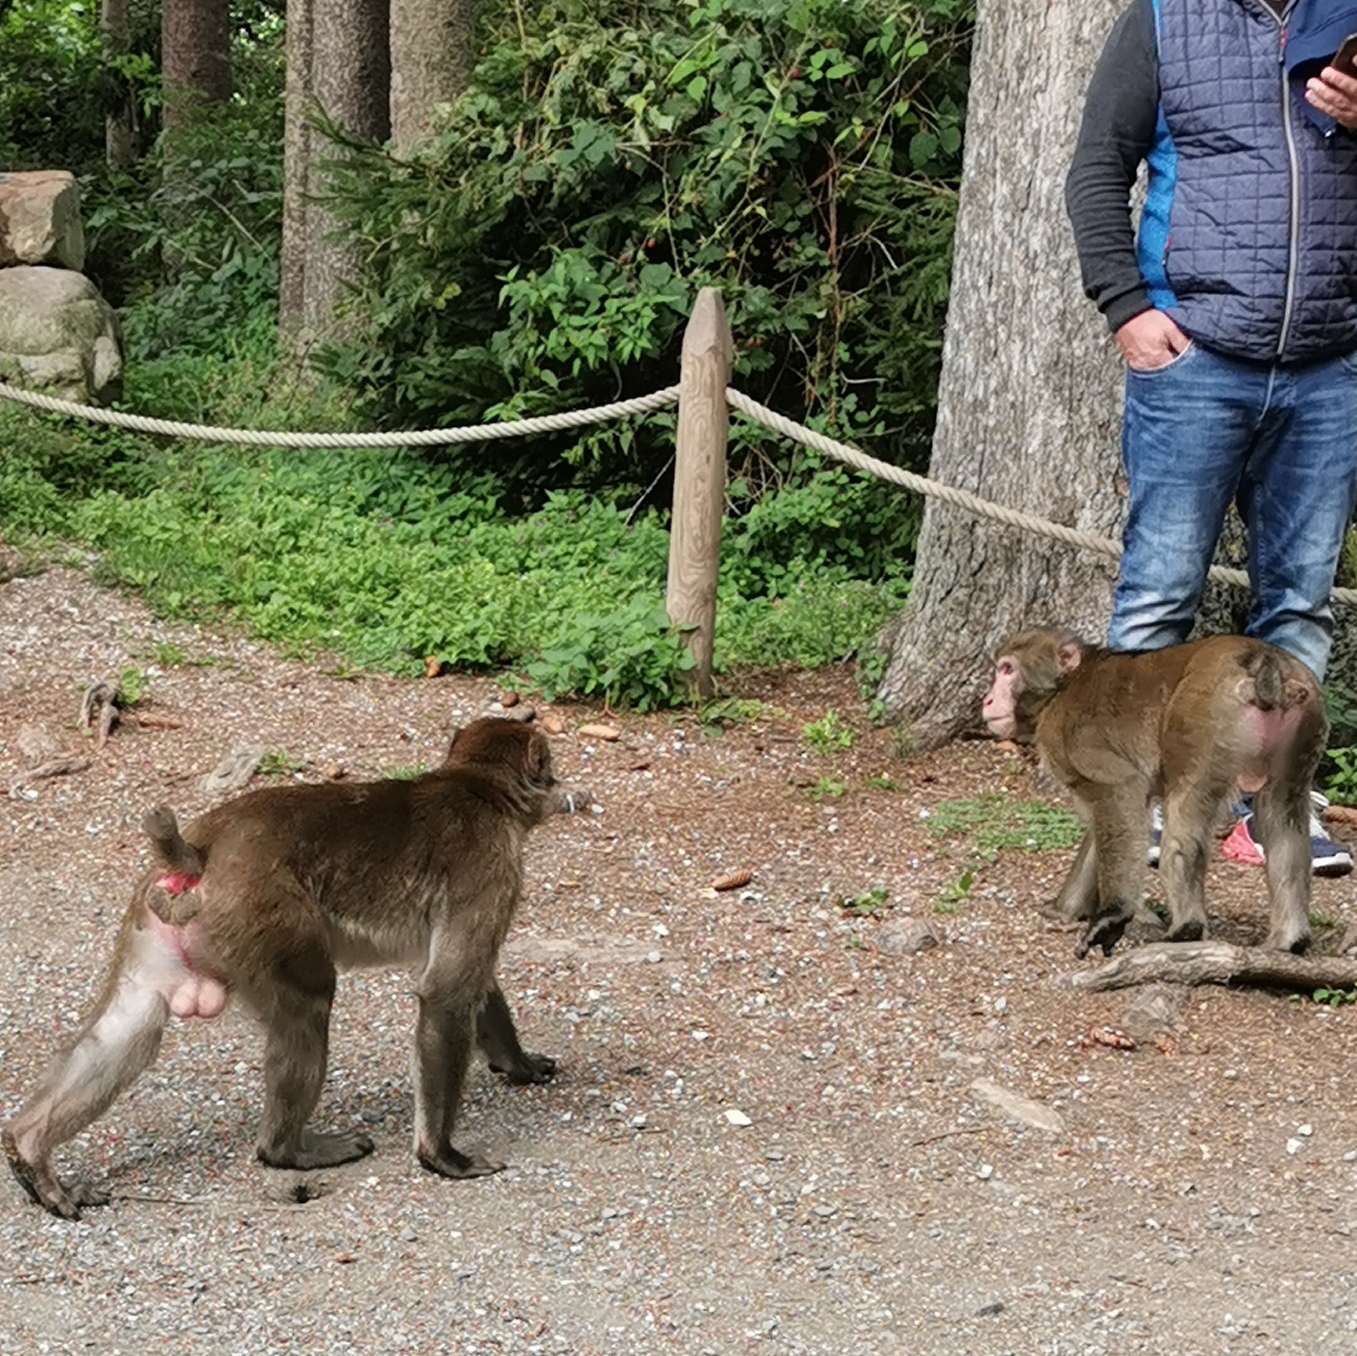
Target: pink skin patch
[
  {"x": 1271, "y": 730},
  {"x": 188, "y": 991}
]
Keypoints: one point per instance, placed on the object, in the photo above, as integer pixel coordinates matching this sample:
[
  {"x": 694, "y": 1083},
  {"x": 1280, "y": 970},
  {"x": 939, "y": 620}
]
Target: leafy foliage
[
  {"x": 544, "y": 249},
  {"x": 993, "y": 822}
]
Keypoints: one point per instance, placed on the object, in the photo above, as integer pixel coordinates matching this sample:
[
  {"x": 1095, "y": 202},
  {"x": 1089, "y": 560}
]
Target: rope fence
[{"x": 704, "y": 398}]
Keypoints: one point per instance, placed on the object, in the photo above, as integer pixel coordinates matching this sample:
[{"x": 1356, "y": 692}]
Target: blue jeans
[{"x": 1282, "y": 443}]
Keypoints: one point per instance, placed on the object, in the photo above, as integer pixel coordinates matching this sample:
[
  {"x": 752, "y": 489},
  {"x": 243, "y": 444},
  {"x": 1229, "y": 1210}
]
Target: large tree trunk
[
  {"x": 348, "y": 78},
  {"x": 195, "y": 58},
  {"x": 1029, "y": 401},
  {"x": 432, "y": 54}
]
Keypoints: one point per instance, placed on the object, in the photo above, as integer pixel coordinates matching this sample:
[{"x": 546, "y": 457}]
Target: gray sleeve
[{"x": 1117, "y": 131}]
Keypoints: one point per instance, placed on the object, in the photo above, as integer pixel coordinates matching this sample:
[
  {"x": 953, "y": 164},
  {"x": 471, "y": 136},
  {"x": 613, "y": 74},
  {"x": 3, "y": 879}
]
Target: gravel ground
[{"x": 769, "y": 1130}]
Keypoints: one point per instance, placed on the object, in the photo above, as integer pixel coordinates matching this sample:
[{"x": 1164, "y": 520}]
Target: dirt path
[{"x": 1196, "y": 1195}]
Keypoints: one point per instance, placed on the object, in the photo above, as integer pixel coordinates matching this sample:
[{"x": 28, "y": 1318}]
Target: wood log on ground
[{"x": 1216, "y": 963}]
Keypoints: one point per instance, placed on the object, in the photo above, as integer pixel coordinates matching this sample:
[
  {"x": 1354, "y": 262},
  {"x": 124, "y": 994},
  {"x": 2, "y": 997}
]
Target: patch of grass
[
  {"x": 867, "y": 903},
  {"x": 168, "y": 655},
  {"x": 829, "y": 734},
  {"x": 993, "y": 822},
  {"x": 405, "y": 772},
  {"x": 952, "y": 896},
  {"x": 882, "y": 782},
  {"x": 1318, "y": 919},
  {"x": 1334, "y": 997},
  {"x": 280, "y": 763},
  {"x": 132, "y": 686},
  {"x": 827, "y": 788}
]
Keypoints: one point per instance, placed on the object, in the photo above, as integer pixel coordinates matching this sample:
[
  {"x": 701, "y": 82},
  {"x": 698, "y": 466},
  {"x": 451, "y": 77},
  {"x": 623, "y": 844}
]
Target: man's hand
[
  {"x": 1150, "y": 340},
  {"x": 1334, "y": 93}
]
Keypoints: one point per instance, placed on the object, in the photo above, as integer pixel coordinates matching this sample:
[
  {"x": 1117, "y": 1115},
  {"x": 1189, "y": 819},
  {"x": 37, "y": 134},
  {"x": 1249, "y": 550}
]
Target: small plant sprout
[
  {"x": 951, "y": 897},
  {"x": 827, "y": 788},
  {"x": 131, "y": 686},
  {"x": 828, "y": 734},
  {"x": 280, "y": 763},
  {"x": 867, "y": 904}
]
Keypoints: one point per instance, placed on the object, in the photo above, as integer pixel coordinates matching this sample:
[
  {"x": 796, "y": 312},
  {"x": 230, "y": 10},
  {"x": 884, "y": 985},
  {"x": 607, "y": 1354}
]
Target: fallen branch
[
  {"x": 62, "y": 766},
  {"x": 1217, "y": 963}
]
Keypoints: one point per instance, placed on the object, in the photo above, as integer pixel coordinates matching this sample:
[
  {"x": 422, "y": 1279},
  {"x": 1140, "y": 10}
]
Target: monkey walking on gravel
[{"x": 265, "y": 898}]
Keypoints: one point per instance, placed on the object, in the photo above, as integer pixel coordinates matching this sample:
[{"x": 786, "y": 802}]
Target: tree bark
[
  {"x": 195, "y": 59},
  {"x": 1217, "y": 963},
  {"x": 432, "y": 55},
  {"x": 1029, "y": 401},
  {"x": 339, "y": 63},
  {"x": 296, "y": 160},
  {"x": 120, "y": 110}
]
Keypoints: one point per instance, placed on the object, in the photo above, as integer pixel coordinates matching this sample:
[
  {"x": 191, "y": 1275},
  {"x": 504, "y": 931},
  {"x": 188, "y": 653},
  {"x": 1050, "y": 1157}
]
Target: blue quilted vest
[{"x": 1249, "y": 234}]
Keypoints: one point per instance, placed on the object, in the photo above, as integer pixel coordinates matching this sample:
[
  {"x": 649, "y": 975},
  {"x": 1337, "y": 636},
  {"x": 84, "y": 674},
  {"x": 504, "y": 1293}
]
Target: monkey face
[{"x": 1000, "y": 707}]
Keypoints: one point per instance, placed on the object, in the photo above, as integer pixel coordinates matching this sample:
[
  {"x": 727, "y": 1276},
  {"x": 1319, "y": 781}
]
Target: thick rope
[
  {"x": 435, "y": 437},
  {"x": 851, "y": 456},
  {"x": 551, "y": 423}
]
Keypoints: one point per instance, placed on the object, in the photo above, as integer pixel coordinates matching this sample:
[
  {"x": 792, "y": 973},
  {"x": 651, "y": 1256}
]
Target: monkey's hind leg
[
  {"x": 293, "y": 997},
  {"x": 497, "y": 1038},
  {"x": 1078, "y": 898},
  {"x": 1282, "y": 814},
  {"x": 296, "y": 1049},
  {"x": 119, "y": 1040}
]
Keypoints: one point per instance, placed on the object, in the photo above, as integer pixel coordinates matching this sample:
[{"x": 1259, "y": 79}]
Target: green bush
[{"x": 543, "y": 250}]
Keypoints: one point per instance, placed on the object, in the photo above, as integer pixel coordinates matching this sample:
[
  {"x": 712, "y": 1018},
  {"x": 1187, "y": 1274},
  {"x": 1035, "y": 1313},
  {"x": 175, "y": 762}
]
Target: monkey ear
[{"x": 1068, "y": 654}]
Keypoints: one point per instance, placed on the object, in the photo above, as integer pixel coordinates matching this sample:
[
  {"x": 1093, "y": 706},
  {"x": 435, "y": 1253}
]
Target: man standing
[{"x": 1234, "y": 306}]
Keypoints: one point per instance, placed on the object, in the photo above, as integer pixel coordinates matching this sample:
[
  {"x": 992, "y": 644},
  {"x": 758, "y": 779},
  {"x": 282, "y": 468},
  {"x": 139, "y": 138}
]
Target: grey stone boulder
[
  {"x": 57, "y": 334},
  {"x": 40, "y": 219}
]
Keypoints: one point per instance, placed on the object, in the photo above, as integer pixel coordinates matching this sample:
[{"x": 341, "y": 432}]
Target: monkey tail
[
  {"x": 1273, "y": 688},
  {"x": 162, "y": 828}
]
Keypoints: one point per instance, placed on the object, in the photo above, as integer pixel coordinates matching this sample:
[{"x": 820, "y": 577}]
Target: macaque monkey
[
  {"x": 262, "y": 900},
  {"x": 1192, "y": 723}
]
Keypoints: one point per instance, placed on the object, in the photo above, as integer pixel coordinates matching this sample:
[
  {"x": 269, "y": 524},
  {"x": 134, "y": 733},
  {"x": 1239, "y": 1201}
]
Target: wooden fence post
[{"x": 700, "y": 481}]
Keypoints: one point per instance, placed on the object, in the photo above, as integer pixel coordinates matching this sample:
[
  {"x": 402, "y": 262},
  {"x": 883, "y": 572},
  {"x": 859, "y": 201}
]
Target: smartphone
[{"x": 1345, "y": 58}]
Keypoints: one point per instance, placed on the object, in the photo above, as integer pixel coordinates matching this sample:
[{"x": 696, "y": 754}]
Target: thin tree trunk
[
  {"x": 297, "y": 137},
  {"x": 119, "y": 115},
  {"x": 1029, "y": 403},
  {"x": 432, "y": 55}
]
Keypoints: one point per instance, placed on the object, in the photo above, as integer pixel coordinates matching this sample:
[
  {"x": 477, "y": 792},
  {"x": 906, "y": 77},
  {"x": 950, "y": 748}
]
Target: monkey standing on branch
[
  {"x": 266, "y": 897},
  {"x": 1192, "y": 723}
]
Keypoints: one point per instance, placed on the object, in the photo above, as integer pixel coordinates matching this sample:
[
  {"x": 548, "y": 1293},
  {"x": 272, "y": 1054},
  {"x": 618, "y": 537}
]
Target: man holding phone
[{"x": 1234, "y": 306}]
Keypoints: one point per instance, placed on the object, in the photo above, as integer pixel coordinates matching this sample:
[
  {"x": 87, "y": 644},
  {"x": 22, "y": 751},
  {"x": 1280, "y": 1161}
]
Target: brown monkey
[
  {"x": 1191, "y": 723},
  {"x": 264, "y": 898}
]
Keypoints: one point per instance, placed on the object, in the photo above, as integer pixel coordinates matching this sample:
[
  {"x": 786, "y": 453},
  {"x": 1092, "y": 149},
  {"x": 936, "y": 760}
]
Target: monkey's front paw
[
  {"x": 450, "y": 1163},
  {"x": 1104, "y": 932},
  {"x": 534, "y": 1068}
]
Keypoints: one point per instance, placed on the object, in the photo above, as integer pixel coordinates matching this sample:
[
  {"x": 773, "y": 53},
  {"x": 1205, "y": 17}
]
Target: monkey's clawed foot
[
  {"x": 317, "y": 1150},
  {"x": 532, "y": 1068},
  {"x": 450, "y": 1163},
  {"x": 1104, "y": 931},
  {"x": 44, "y": 1188}
]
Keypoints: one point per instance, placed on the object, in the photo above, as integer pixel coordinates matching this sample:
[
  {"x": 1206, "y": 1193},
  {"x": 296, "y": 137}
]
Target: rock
[
  {"x": 1153, "y": 1010},
  {"x": 58, "y": 334},
  {"x": 1020, "y": 1108},
  {"x": 909, "y": 936},
  {"x": 40, "y": 219}
]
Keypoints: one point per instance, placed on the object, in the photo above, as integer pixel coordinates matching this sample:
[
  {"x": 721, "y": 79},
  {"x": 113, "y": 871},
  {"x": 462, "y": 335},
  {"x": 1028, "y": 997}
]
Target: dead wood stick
[{"x": 1216, "y": 963}]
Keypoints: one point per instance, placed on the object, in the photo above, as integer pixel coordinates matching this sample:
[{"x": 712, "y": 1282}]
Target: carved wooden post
[{"x": 700, "y": 481}]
